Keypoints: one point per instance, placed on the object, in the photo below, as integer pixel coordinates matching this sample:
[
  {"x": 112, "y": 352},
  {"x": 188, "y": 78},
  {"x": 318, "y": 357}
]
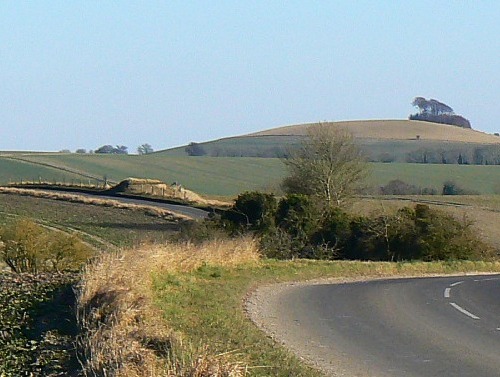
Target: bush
[
  {"x": 195, "y": 149},
  {"x": 28, "y": 247},
  {"x": 253, "y": 211},
  {"x": 425, "y": 234},
  {"x": 296, "y": 214},
  {"x": 332, "y": 235},
  {"x": 398, "y": 187},
  {"x": 452, "y": 188},
  {"x": 297, "y": 227}
]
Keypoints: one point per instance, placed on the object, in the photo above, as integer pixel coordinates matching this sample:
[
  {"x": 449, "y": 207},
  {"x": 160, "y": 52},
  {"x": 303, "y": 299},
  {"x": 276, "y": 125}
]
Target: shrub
[
  {"x": 425, "y": 234},
  {"x": 251, "y": 211},
  {"x": 195, "y": 149},
  {"x": 28, "y": 247},
  {"x": 452, "y": 188},
  {"x": 296, "y": 214},
  {"x": 399, "y": 187},
  {"x": 332, "y": 234}
]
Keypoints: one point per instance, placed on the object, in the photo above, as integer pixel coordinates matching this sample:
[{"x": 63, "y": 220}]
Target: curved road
[{"x": 442, "y": 327}]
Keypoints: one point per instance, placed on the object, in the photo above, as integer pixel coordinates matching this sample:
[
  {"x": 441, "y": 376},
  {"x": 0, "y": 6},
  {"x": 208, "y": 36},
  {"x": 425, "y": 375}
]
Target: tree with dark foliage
[
  {"x": 432, "y": 110},
  {"x": 195, "y": 149},
  {"x": 145, "y": 149},
  {"x": 109, "y": 149}
]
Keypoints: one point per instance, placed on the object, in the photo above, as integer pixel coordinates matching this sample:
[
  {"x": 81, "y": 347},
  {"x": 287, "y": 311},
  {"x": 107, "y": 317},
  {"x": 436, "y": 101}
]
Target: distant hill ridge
[{"x": 392, "y": 130}]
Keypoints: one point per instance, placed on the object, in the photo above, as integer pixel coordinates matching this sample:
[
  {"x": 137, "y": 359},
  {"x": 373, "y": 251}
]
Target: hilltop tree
[
  {"x": 328, "y": 165},
  {"x": 145, "y": 149},
  {"x": 432, "y": 110},
  {"x": 431, "y": 106},
  {"x": 195, "y": 149},
  {"x": 109, "y": 149}
]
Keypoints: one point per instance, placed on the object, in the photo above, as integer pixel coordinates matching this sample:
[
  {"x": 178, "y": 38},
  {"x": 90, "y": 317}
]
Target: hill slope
[
  {"x": 380, "y": 141},
  {"x": 223, "y": 171},
  {"x": 393, "y": 130}
]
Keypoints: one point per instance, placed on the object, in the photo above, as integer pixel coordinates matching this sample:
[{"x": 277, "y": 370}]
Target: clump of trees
[
  {"x": 109, "y": 149},
  {"x": 432, "y": 110},
  {"x": 195, "y": 149}
]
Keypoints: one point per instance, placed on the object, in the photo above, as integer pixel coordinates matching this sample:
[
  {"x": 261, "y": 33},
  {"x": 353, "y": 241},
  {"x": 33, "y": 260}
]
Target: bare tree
[{"x": 327, "y": 165}]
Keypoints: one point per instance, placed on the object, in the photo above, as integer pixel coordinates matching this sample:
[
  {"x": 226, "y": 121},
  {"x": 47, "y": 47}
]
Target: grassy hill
[
  {"x": 393, "y": 130},
  {"x": 380, "y": 140}
]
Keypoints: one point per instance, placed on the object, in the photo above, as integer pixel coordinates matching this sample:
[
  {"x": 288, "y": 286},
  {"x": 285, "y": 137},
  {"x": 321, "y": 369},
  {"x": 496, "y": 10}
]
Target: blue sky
[{"x": 88, "y": 73}]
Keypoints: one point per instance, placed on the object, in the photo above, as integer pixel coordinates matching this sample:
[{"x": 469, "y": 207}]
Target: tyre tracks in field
[{"x": 105, "y": 245}]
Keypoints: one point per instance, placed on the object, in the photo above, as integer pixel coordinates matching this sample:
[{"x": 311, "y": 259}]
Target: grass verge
[{"x": 178, "y": 310}]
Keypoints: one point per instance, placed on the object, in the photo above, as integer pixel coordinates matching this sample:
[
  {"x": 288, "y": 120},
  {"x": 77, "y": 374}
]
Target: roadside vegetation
[
  {"x": 178, "y": 309},
  {"x": 43, "y": 245}
]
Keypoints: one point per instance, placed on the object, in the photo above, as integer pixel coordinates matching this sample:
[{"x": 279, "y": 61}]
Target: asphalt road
[{"x": 409, "y": 327}]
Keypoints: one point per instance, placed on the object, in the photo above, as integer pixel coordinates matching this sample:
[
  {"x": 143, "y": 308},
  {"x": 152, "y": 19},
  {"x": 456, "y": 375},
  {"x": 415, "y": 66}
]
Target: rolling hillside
[
  {"x": 394, "y": 130},
  {"x": 388, "y": 141},
  {"x": 380, "y": 140}
]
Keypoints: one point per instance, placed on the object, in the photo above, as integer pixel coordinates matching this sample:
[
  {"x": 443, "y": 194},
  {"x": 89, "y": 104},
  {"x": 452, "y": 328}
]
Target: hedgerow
[{"x": 299, "y": 227}]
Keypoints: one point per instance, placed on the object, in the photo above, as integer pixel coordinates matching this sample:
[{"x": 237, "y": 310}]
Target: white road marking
[
  {"x": 462, "y": 310},
  {"x": 447, "y": 292},
  {"x": 457, "y": 283}
]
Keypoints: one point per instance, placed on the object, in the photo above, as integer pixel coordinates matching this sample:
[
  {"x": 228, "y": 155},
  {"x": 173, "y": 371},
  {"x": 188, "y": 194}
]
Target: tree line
[{"x": 110, "y": 149}]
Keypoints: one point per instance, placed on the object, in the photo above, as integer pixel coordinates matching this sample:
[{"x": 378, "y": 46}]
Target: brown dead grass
[
  {"x": 74, "y": 198},
  {"x": 125, "y": 333},
  {"x": 394, "y": 130}
]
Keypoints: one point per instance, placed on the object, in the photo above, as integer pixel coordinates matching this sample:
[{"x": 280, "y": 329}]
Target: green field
[
  {"x": 228, "y": 176},
  {"x": 480, "y": 178},
  {"x": 14, "y": 170}
]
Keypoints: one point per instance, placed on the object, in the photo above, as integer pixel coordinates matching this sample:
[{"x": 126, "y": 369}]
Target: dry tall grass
[{"x": 125, "y": 334}]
